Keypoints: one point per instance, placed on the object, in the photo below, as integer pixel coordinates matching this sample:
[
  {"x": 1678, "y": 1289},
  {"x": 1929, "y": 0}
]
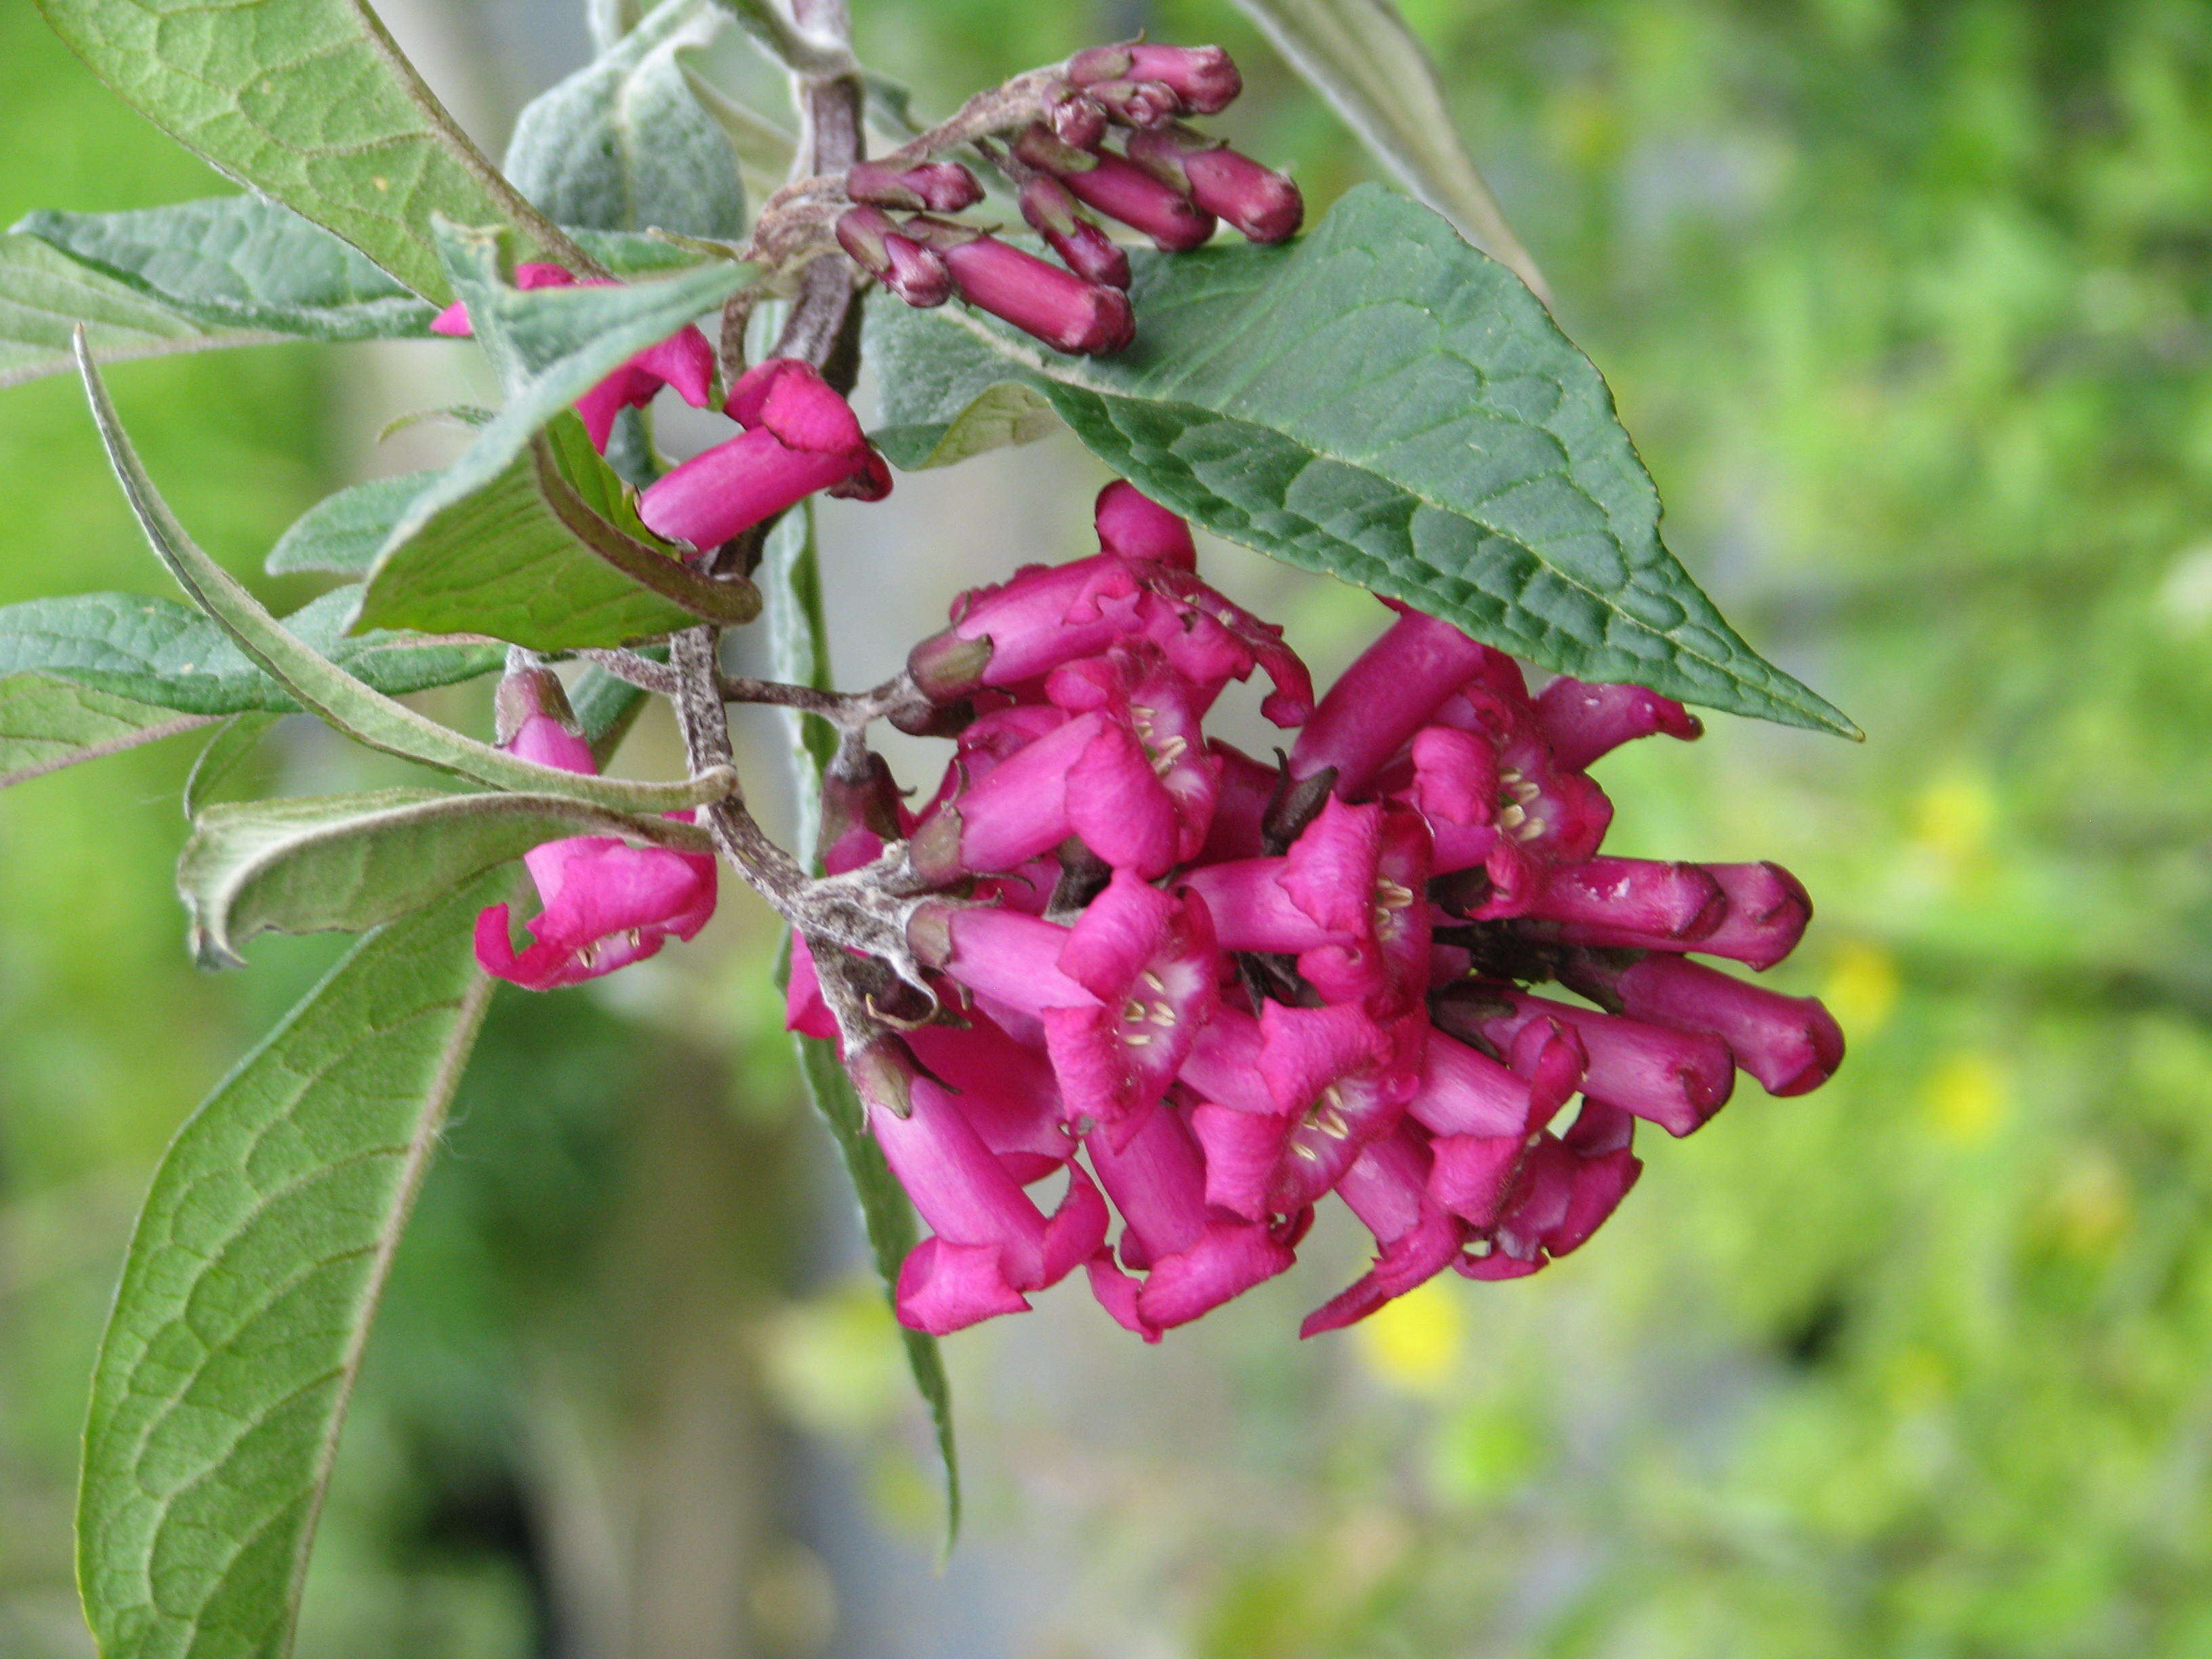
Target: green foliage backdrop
[{"x": 1906, "y": 305}]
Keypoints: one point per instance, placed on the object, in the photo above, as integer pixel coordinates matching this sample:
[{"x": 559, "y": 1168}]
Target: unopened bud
[
  {"x": 526, "y": 694},
  {"x": 945, "y": 666},
  {"x": 915, "y": 273},
  {"x": 1139, "y": 103},
  {"x": 1078, "y": 121},
  {"x": 937, "y": 187},
  {"x": 1204, "y": 79},
  {"x": 1121, "y": 190},
  {"x": 1263, "y": 204},
  {"x": 1057, "y": 307},
  {"x": 882, "y": 1073},
  {"x": 929, "y": 931},
  {"x": 1085, "y": 249}
]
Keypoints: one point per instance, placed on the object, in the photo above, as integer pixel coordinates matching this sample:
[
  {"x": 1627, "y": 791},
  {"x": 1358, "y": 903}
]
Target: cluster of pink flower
[
  {"x": 1168, "y": 181},
  {"x": 1219, "y": 990}
]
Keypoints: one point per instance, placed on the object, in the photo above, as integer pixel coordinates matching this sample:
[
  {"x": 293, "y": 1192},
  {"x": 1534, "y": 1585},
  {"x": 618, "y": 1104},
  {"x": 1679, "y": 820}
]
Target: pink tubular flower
[
  {"x": 1792, "y": 1045},
  {"x": 1121, "y": 190},
  {"x": 1670, "y": 900},
  {"x": 800, "y": 437},
  {"x": 1583, "y": 722},
  {"x": 1289, "y": 1099},
  {"x": 1344, "y": 900},
  {"x": 683, "y": 361},
  {"x": 989, "y": 1243},
  {"x": 1383, "y": 698},
  {"x": 1203, "y": 79},
  {"x": 1567, "y": 1188},
  {"x": 1057, "y": 306},
  {"x": 1768, "y": 910},
  {"x": 1677, "y": 1079},
  {"x": 1386, "y": 1187},
  {"x": 1050, "y": 209},
  {"x": 606, "y": 903},
  {"x": 1262, "y": 205},
  {"x": 1132, "y": 526},
  {"x": 1127, "y": 772},
  {"x": 1193, "y": 1260}
]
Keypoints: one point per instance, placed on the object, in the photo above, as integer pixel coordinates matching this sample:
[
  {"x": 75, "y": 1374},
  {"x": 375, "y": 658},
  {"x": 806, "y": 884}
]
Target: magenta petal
[
  {"x": 1157, "y": 1179},
  {"x": 1583, "y": 722},
  {"x": 791, "y": 399},
  {"x": 1117, "y": 935},
  {"x": 1115, "y": 803},
  {"x": 1242, "y": 1149},
  {"x": 1005, "y": 1089},
  {"x": 1117, "y": 1293},
  {"x": 733, "y": 486},
  {"x": 546, "y": 741},
  {"x": 1465, "y": 1092},
  {"x": 1077, "y": 1231},
  {"x": 959, "y": 1186},
  {"x": 1135, "y": 526},
  {"x": 1473, "y": 1176},
  {"x": 453, "y": 322},
  {"x": 1012, "y": 958},
  {"x": 1383, "y": 698},
  {"x": 683, "y": 361},
  {"x": 805, "y": 1011},
  {"x": 1228, "y": 1260},
  {"x": 945, "y": 1287}
]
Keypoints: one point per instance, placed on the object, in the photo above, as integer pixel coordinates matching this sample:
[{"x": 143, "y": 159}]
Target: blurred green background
[{"x": 1907, "y": 306}]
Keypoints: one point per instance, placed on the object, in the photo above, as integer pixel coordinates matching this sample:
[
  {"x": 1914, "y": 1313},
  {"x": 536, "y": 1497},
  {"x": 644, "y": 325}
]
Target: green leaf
[
  {"x": 238, "y": 263},
  {"x": 999, "y": 417},
  {"x": 168, "y": 655},
  {"x": 247, "y": 1294},
  {"x": 189, "y": 278},
  {"x": 321, "y": 864},
  {"x": 48, "y": 724},
  {"x": 1360, "y": 56},
  {"x": 550, "y": 553},
  {"x": 357, "y": 709},
  {"x": 342, "y": 534},
  {"x": 233, "y": 744},
  {"x": 799, "y": 656},
  {"x": 45, "y": 294},
  {"x": 1381, "y": 403},
  {"x": 309, "y": 102},
  {"x": 624, "y": 144}
]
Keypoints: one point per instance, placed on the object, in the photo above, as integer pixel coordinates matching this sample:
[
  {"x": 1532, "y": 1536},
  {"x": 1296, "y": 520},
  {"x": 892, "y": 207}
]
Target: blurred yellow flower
[
  {"x": 1862, "y": 987},
  {"x": 1414, "y": 1342},
  {"x": 1954, "y": 816},
  {"x": 1966, "y": 1097}
]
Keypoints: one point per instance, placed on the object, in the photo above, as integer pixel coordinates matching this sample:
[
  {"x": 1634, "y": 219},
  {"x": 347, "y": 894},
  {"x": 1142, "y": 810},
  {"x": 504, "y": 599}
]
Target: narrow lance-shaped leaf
[
  {"x": 624, "y": 143},
  {"x": 229, "y": 272},
  {"x": 1381, "y": 403},
  {"x": 345, "y": 702},
  {"x": 46, "y": 724},
  {"x": 247, "y": 1298},
  {"x": 798, "y": 655},
  {"x": 230, "y": 747},
  {"x": 345, "y": 863},
  {"x": 1360, "y": 56},
  {"x": 311, "y": 103}
]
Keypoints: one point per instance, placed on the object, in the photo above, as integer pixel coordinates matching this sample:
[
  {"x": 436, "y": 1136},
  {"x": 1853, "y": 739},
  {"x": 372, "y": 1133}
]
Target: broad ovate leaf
[
  {"x": 346, "y": 863},
  {"x": 49, "y": 724},
  {"x": 1381, "y": 403},
  {"x": 310, "y": 103},
  {"x": 548, "y": 554},
  {"x": 248, "y": 1294},
  {"x": 624, "y": 144}
]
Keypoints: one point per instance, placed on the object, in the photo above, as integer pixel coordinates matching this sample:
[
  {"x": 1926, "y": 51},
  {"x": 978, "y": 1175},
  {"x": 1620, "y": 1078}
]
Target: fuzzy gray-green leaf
[
  {"x": 310, "y": 103},
  {"x": 47, "y": 724},
  {"x": 624, "y": 144},
  {"x": 345, "y": 863},
  {"x": 247, "y": 1294},
  {"x": 1379, "y": 402}
]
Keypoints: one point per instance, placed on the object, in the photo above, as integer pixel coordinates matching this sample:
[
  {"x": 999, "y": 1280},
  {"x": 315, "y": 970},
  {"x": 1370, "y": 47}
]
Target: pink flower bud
[
  {"x": 1078, "y": 121},
  {"x": 1583, "y": 721},
  {"x": 800, "y": 437},
  {"x": 1767, "y": 911},
  {"x": 916, "y": 274},
  {"x": 1263, "y": 204},
  {"x": 1677, "y": 1079},
  {"x": 1121, "y": 190},
  {"x": 1133, "y": 526},
  {"x": 1204, "y": 79},
  {"x": 1059, "y": 307},
  {"x": 607, "y": 904},
  {"x": 1669, "y": 901},
  {"x": 936, "y": 187},
  {"x": 1087, "y": 251},
  {"x": 1792, "y": 1045}
]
